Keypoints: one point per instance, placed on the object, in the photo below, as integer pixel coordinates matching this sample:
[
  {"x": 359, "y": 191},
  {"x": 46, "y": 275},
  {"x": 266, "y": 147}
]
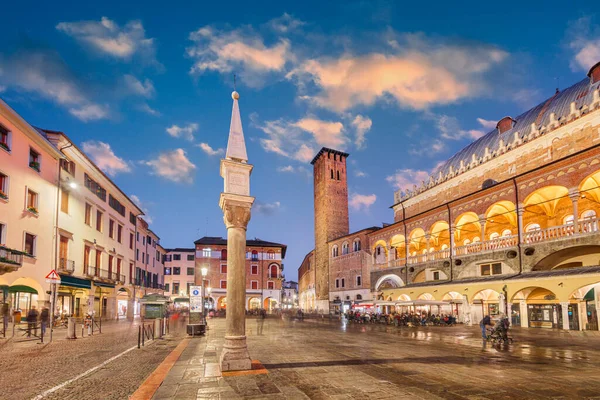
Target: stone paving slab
[{"x": 335, "y": 360}]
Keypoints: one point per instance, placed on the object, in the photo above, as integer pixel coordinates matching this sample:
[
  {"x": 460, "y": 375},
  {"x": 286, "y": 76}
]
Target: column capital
[
  {"x": 574, "y": 194},
  {"x": 236, "y": 210}
]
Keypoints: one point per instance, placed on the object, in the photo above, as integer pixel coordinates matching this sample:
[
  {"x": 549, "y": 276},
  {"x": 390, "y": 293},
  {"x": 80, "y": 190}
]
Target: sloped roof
[
  {"x": 219, "y": 241},
  {"x": 560, "y": 104}
]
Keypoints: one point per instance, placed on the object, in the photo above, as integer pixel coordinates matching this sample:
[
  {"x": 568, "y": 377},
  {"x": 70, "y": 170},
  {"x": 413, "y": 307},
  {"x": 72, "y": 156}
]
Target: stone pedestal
[{"x": 236, "y": 214}]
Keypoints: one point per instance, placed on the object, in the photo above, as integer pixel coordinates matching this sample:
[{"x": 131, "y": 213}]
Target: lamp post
[{"x": 204, "y": 272}]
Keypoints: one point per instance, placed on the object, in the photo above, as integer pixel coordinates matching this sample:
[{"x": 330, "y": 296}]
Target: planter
[
  {"x": 3, "y": 196},
  {"x": 4, "y": 146},
  {"x": 32, "y": 210},
  {"x": 35, "y": 165}
]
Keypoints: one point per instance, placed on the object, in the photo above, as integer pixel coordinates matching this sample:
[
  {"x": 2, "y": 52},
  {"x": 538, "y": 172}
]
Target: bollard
[
  {"x": 153, "y": 331},
  {"x": 143, "y": 334},
  {"x": 100, "y": 329},
  {"x": 156, "y": 328},
  {"x": 139, "y": 335},
  {"x": 71, "y": 328}
]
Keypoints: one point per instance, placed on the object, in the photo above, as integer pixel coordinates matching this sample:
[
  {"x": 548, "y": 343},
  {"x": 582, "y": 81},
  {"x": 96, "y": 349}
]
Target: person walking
[
  {"x": 260, "y": 321},
  {"x": 483, "y": 323},
  {"x": 44, "y": 319},
  {"x": 32, "y": 318}
]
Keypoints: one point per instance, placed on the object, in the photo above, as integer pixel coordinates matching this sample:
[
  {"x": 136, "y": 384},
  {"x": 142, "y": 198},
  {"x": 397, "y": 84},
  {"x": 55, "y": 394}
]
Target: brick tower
[{"x": 331, "y": 214}]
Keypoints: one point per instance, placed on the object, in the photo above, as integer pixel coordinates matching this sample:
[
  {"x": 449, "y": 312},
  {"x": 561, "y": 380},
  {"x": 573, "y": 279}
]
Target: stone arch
[
  {"x": 440, "y": 234},
  {"x": 253, "y": 303},
  {"x": 389, "y": 281},
  {"x": 398, "y": 244},
  {"x": 536, "y": 293},
  {"x": 404, "y": 297},
  {"x": 452, "y": 296},
  {"x": 590, "y": 186},
  {"x": 570, "y": 257},
  {"x": 467, "y": 226},
  {"x": 580, "y": 292},
  {"x": 32, "y": 283},
  {"x": 425, "y": 296},
  {"x": 547, "y": 206},
  {"x": 381, "y": 243},
  {"x": 419, "y": 277},
  {"x": 416, "y": 241},
  {"x": 486, "y": 295},
  {"x": 500, "y": 217}
]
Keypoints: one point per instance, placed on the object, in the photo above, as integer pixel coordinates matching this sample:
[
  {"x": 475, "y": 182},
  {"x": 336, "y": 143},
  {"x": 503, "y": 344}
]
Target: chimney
[
  {"x": 505, "y": 124},
  {"x": 594, "y": 73}
]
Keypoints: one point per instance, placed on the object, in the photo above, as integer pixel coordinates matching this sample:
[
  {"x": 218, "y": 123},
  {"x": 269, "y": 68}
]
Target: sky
[{"x": 145, "y": 91}]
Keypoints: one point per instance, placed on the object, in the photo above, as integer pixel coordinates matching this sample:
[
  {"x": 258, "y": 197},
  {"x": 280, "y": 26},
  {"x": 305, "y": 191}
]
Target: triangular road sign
[{"x": 53, "y": 276}]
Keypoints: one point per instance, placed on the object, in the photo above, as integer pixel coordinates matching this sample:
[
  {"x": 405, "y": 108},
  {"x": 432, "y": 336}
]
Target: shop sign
[{"x": 195, "y": 299}]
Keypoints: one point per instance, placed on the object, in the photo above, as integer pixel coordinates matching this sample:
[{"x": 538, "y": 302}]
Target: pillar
[
  {"x": 482, "y": 221},
  {"x": 235, "y": 356},
  {"x": 524, "y": 315},
  {"x": 452, "y": 230},
  {"x": 389, "y": 254},
  {"x": 574, "y": 196},
  {"x": 111, "y": 307},
  {"x": 564, "y": 305},
  {"x": 130, "y": 307},
  {"x": 502, "y": 305},
  {"x": 520, "y": 211},
  {"x": 91, "y": 299}
]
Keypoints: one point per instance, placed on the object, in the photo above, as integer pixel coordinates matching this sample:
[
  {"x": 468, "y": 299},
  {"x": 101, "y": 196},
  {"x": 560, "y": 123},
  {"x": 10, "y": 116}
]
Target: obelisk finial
[{"x": 236, "y": 145}]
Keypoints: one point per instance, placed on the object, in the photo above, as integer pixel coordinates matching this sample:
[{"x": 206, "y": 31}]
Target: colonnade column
[
  {"x": 574, "y": 196},
  {"x": 520, "y": 211},
  {"x": 482, "y": 221},
  {"x": 564, "y": 305},
  {"x": 452, "y": 230},
  {"x": 523, "y": 312}
]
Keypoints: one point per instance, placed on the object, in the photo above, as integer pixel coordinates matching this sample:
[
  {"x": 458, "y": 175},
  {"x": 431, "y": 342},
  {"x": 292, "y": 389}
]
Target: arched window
[
  {"x": 466, "y": 242},
  {"x": 334, "y": 251},
  {"x": 345, "y": 248},
  {"x": 224, "y": 254},
  {"x": 431, "y": 249},
  {"x": 588, "y": 214},
  {"x": 273, "y": 271},
  {"x": 532, "y": 228},
  {"x": 270, "y": 255},
  {"x": 356, "y": 244},
  {"x": 338, "y": 175},
  {"x": 444, "y": 246},
  {"x": 476, "y": 239},
  {"x": 254, "y": 255},
  {"x": 568, "y": 220},
  {"x": 494, "y": 235},
  {"x": 506, "y": 232},
  {"x": 358, "y": 297},
  {"x": 331, "y": 174}
]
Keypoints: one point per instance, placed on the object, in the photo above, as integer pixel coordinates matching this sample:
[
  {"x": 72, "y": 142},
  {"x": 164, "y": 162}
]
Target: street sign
[
  {"x": 195, "y": 299},
  {"x": 53, "y": 277}
]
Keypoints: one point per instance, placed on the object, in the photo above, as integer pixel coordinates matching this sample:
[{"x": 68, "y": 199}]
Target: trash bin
[{"x": 17, "y": 316}]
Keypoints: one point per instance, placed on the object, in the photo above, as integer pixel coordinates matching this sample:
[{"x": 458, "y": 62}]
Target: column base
[{"x": 235, "y": 356}]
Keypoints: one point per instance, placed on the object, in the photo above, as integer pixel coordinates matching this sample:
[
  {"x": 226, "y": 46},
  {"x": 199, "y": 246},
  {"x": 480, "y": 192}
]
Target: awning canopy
[
  {"x": 102, "y": 284},
  {"x": 385, "y": 303},
  {"x": 22, "y": 289},
  {"x": 181, "y": 300},
  {"x": 422, "y": 303},
  {"x": 71, "y": 281}
]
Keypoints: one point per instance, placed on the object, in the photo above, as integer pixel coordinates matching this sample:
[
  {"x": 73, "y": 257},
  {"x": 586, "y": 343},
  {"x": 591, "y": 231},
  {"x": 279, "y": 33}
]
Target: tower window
[
  {"x": 338, "y": 175},
  {"x": 331, "y": 174}
]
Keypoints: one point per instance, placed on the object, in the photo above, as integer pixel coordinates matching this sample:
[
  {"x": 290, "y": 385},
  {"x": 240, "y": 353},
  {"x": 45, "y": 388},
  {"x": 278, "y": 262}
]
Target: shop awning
[
  {"x": 181, "y": 300},
  {"x": 22, "y": 289},
  {"x": 423, "y": 303},
  {"x": 71, "y": 281},
  {"x": 385, "y": 303}
]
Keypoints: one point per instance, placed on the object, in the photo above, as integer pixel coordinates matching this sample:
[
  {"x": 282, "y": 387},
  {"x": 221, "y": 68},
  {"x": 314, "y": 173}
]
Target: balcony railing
[
  {"x": 498, "y": 243},
  {"x": 10, "y": 258},
  {"x": 91, "y": 270},
  {"x": 66, "y": 265}
]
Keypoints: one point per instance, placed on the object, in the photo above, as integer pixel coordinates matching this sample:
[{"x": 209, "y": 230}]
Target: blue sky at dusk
[{"x": 145, "y": 90}]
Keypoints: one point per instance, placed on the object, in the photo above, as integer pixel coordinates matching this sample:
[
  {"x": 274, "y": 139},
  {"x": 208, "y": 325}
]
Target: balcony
[
  {"x": 65, "y": 265},
  {"x": 10, "y": 260}
]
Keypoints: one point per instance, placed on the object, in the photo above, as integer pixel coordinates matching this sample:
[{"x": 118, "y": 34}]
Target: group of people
[
  {"x": 34, "y": 317},
  {"x": 401, "y": 319}
]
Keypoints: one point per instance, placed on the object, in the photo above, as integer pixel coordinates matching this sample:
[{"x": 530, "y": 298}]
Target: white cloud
[
  {"x": 362, "y": 125},
  {"x": 266, "y": 208},
  {"x": 144, "y": 107},
  {"x": 285, "y": 24},
  {"x": 449, "y": 128},
  {"x": 326, "y": 133},
  {"x": 90, "y": 112},
  {"x": 106, "y": 37},
  {"x": 361, "y": 201},
  {"x": 104, "y": 157},
  {"x": 291, "y": 169},
  {"x": 242, "y": 51},
  {"x": 487, "y": 124},
  {"x": 186, "y": 132},
  {"x": 360, "y": 174},
  {"x": 136, "y": 87},
  {"x": 2, "y": 88},
  {"x": 142, "y": 207},
  {"x": 584, "y": 41},
  {"x": 287, "y": 168},
  {"x": 418, "y": 74},
  {"x": 45, "y": 74},
  {"x": 173, "y": 165},
  {"x": 209, "y": 150},
  {"x": 406, "y": 179}
]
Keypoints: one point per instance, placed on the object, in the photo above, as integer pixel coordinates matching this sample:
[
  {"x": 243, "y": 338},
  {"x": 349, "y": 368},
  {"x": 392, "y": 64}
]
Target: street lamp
[{"x": 204, "y": 272}]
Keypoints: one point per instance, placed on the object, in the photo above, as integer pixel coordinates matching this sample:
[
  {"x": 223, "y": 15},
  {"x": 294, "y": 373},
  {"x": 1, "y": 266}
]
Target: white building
[{"x": 289, "y": 295}]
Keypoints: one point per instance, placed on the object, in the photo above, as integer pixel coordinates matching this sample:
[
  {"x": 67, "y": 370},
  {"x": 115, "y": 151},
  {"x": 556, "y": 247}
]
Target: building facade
[
  {"x": 507, "y": 225},
  {"x": 180, "y": 266},
  {"x": 59, "y": 211},
  {"x": 289, "y": 295},
  {"x": 264, "y": 272},
  {"x": 28, "y": 210},
  {"x": 306, "y": 283}
]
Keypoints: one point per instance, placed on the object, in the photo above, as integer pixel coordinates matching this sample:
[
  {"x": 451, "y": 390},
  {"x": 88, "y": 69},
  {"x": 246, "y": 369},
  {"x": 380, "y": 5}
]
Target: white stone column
[
  {"x": 574, "y": 196},
  {"x": 520, "y": 211},
  {"x": 524, "y": 315},
  {"x": 452, "y": 231},
  {"x": 502, "y": 305},
  {"x": 564, "y": 305}
]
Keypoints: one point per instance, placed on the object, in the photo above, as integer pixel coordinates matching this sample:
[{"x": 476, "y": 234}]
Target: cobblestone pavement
[
  {"x": 29, "y": 368},
  {"x": 334, "y": 360}
]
